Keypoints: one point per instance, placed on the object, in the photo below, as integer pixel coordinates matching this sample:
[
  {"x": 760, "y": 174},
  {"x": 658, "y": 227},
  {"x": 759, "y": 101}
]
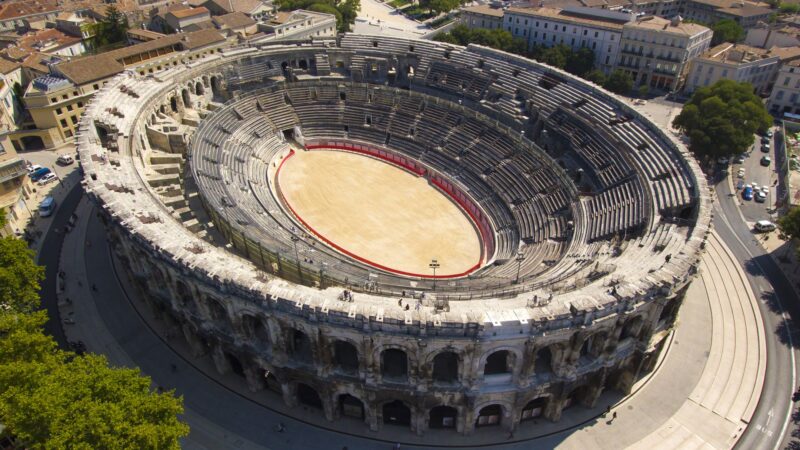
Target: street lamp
[
  {"x": 520, "y": 258},
  {"x": 434, "y": 265}
]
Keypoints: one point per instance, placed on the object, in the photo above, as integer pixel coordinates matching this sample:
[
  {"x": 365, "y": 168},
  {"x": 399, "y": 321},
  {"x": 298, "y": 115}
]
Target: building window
[
  {"x": 80, "y": 104},
  {"x": 63, "y": 123},
  {"x": 69, "y": 107},
  {"x": 58, "y": 111},
  {"x": 780, "y": 95},
  {"x": 74, "y": 119}
]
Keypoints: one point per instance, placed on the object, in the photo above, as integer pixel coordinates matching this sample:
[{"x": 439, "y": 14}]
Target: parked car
[
  {"x": 764, "y": 225},
  {"x": 764, "y": 140},
  {"x": 747, "y": 193},
  {"x": 38, "y": 174},
  {"x": 739, "y": 184},
  {"x": 741, "y": 172},
  {"x": 47, "y": 179},
  {"x": 766, "y": 161},
  {"x": 760, "y": 197},
  {"x": 33, "y": 168},
  {"x": 769, "y": 133},
  {"x": 722, "y": 160},
  {"x": 47, "y": 206},
  {"x": 739, "y": 159},
  {"x": 65, "y": 160}
]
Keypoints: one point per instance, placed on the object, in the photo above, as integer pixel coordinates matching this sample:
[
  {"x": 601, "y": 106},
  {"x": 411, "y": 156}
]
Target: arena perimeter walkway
[{"x": 702, "y": 396}]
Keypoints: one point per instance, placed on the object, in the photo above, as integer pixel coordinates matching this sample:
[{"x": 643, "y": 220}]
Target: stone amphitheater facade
[{"x": 609, "y": 213}]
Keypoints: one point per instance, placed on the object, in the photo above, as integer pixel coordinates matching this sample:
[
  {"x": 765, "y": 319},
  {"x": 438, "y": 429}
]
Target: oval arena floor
[{"x": 379, "y": 213}]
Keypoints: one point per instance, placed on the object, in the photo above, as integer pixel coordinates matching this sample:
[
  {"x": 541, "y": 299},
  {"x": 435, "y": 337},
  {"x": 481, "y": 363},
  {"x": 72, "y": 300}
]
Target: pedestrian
[
  {"x": 510, "y": 435},
  {"x": 613, "y": 415},
  {"x": 94, "y": 287},
  {"x": 407, "y": 307},
  {"x": 400, "y": 303}
]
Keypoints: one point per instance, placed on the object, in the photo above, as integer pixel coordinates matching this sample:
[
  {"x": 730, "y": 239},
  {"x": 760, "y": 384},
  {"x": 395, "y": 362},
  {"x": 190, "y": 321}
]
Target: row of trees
[
  {"x": 577, "y": 62},
  {"x": 440, "y": 6},
  {"x": 51, "y": 398},
  {"x": 344, "y": 10}
]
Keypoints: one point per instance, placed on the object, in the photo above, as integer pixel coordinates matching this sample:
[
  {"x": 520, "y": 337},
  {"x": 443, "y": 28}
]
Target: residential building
[
  {"x": 299, "y": 24},
  {"x": 575, "y": 27},
  {"x": 657, "y": 52},
  {"x": 785, "y": 97},
  {"x": 76, "y": 24},
  {"x": 55, "y": 101},
  {"x": 745, "y": 13},
  {"x": 768, "y": 36},
  {"x": 482, "y": 16},
  {"x": 236, "y": 23},
  {"x": 18, "y": 15},
  {"x": 15, "y": 190},
  {"x": 179, "y": 20},
  {"x": 51, "y": 41},
  {"x": 737, "y": 62},
  {"x": 255, "y": 9}
]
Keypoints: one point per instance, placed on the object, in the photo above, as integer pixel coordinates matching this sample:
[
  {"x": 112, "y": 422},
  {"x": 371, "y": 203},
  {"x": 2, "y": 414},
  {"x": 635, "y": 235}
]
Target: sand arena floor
[{"x": 379, "y": 213}]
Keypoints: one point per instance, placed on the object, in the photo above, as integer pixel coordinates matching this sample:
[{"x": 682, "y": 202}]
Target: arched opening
[
  {"x": 273, "y": 384},
  {"x": 442, "y": 417},
  {"x": 631, "y": 329},
  {"x": 396, "y": 413},
  {"x": 307, "y": 395},
  {"x": 489, "y": 416},
  {"x": 173, "y": 104},
  {"x": 497, "y": 363},
  {"x": 534, "y": 408},
  {"x": 187, "y": 102},
  {"x": 216, "y": 90},
  {"x": 445, "y": 367},
  {"x": 303, "y": 64},
  {"x": 544, "y": 361},
  {"x": 217, "y": 312},
  {"x": 350, "y": 406},
  {"x": 345, "y": 357},
  {"x": 301, "y": 346},
  {"x": 236, "y": 365},
  {"x": 184, "y": 295},
  {"x": 669, "y": 311},
  {"x": 394, "y": 365},
  {"x": 596, "y": 345},
  {"x": 198, "y": 88},
  {"x": 32, "y": 143},
  {"x": 577, "y": 396},
  {"x": 256, "y": 330}
]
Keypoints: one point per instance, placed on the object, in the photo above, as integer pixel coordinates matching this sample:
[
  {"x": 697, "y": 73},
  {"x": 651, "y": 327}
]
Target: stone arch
[
  {"x": 198, "y": 88},
  {"x": 308, "y": 396},
  {"x": 303, "y": 64},
  {"x": 446, "y": 367},
  {"x": 578, "y": 395},
  {"x": 632, "y": 328},
  {"x": 394, "y": 365},
  {"x": 490, "y": 415},
  {"x": 235, "y": 364},
  {"x": 396, "y": 412},
  {"x": 345, "y": 357},
  {"x": 595, "y": 345},
  {"x": 216, "y": 88},
  {"x": 442, "y": 416},
  {"x": 534, "y": 408},
  {"x": 256, "y": 330},
  {"x": 543, "y": 362},
  {"x": 187, "y": 101},
  {"x": 499, "y": 361},
  {"x": 300, "y": 346},
  {"x": 173, "y": 104},
  {"x": 348, "y": 405},
  {"x": 185, "y": 295},
  {"x": 217, "y": 312}
]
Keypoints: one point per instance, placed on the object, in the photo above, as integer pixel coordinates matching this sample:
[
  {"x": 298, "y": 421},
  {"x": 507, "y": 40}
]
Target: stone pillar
[
  {"x": 371, "y": 415},
  {"x": 255, "y": 382},
  {"x": 327, "y": 407},
  {"x": 419, "y": 420},
  {"x": 554, "y": 408},
  {"x": 220, "y": 361},
  {"x": 469, "y": 420},
  {"x": 289, "y": 397}
]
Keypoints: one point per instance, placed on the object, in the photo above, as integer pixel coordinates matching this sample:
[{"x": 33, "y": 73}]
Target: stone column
[
  {"x": 195, "y": 344},
  {"x": 255, "y": 382},
  {"x": 220, "y": 361}
]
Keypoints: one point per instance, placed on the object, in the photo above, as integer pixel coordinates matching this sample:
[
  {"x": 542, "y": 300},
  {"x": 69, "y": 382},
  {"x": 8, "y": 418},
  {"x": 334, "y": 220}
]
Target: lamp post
[
  {"x": 520, "y": 258},
  {"x": 297, "y": 259},
  {"x": 434, "y": 265}
]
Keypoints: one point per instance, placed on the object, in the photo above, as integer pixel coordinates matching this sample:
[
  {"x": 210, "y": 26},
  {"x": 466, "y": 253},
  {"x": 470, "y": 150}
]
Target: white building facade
[
  {"x": 740, "y": 63},
  {"x": 785, "y": 97},
  {"x": 575, "y": 27}
]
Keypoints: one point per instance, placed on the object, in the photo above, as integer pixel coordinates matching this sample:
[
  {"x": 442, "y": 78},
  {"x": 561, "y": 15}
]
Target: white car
[
  {"x": 47, "y": 179},
  {"x": 764, "y": 225},
  {"x": 765, "y": 190},
  {"x": 33, "y": 168},
  {"x": 65, "y": 160}
]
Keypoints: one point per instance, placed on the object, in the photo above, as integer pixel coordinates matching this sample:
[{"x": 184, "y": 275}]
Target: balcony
[{"x": 12, "y": 168}]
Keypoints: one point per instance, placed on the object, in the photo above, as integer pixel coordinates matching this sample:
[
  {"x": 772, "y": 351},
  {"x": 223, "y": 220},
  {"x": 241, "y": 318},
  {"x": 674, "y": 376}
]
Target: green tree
[
  {"x": 328, "y": 9},
  {"x": 595, "y": 76},
  {"x": 3, "y": 220},
  {"x": 789, "y": 224},
  {"x": 643, "y": 90},
  {"x": 727, "y": 30},
  {"x": 789, "y": 8},
  {"x": 19, "y": 276},
  {"x": 720, "y": 120},
  {"x": 556, "y": 56},
  {"x": 580, "y": 62},
  {"x": 619, "y": 82}
]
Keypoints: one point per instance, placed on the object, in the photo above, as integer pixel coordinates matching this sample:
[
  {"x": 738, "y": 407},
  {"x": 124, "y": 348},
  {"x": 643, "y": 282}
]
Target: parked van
[
  {"x": 764, "y": 225},
  {"x": 47, "y": 207}
]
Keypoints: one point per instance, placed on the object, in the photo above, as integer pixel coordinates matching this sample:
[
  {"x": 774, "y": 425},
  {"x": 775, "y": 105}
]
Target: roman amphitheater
[{"x": 401, "y": 231}]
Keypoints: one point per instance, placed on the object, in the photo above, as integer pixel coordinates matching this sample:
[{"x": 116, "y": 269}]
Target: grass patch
[
  {"x": 399, "y": 3},
  {"x": 442, "y": 21},
  {"x": 417, "y": 13}
]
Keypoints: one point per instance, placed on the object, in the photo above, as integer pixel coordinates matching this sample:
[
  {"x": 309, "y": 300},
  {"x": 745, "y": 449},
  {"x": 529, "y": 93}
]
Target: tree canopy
[
  {"x": 111, "y": 29},
  {"x": 619, "y": 82},
  {"x": 439, "y": 6},
  {"x": 496, "y": 38},
  {"x": 346, "y": 10},
  {"x": 51, "y": 398},
  {"x": 720, "y": 120},
  {"x": 726, "y": 30},
  {"x": 789, "y": 224}
]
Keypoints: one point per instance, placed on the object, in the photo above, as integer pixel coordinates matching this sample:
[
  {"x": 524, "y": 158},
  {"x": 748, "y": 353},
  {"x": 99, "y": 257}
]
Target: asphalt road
[
  {"x": 49, "y": 258},
  {"x": 756, "y": 173},
  {"x": 770, "y": 426}
]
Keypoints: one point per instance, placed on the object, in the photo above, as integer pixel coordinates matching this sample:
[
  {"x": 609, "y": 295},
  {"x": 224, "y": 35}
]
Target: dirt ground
[{"x": 379, "y": 213}]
